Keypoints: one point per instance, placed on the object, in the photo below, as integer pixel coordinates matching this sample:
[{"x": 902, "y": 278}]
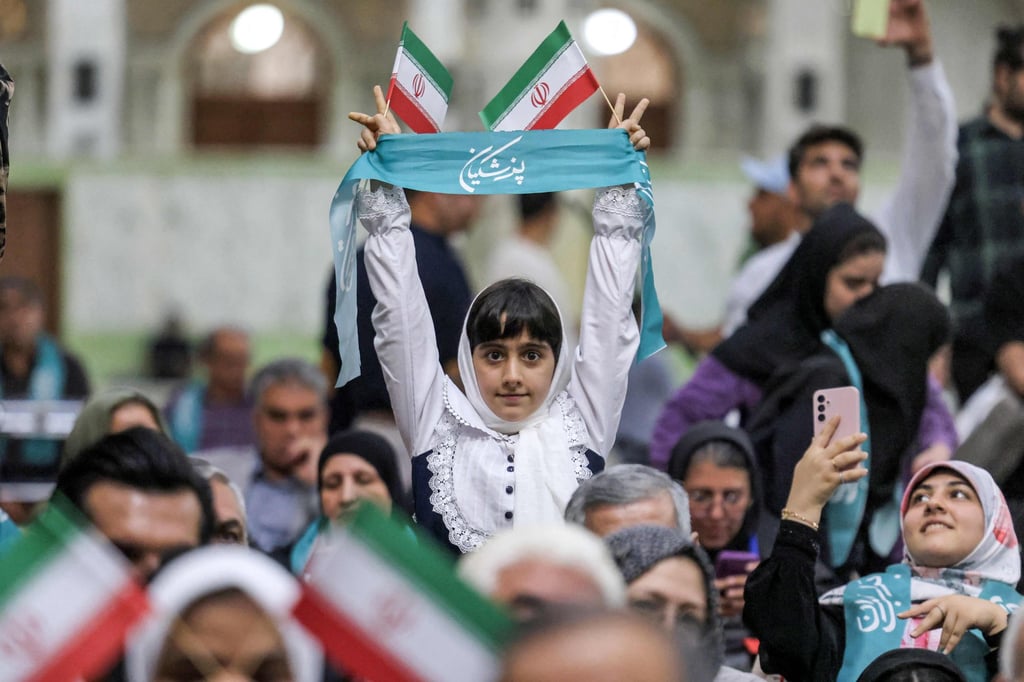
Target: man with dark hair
[
  {"x": 140, "y": 491},
  {"x": 825, "y": 161},
  {"x": 215, "y": 412},
  {"x": 983, "y": 229}
]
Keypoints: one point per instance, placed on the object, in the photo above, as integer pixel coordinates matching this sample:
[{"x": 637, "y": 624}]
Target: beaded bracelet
[{"x": 790, "y": 515}]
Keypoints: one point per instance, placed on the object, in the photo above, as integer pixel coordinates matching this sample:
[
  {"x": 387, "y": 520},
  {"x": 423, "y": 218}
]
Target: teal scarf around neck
[
  {"x": 519, "y": 162},
  {"x": 46, "y": 382}
]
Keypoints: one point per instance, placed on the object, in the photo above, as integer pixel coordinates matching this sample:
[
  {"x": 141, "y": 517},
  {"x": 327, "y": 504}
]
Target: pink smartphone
[
  {"x": 730, "y": 563},
  {"x": 843, "y": 401}
]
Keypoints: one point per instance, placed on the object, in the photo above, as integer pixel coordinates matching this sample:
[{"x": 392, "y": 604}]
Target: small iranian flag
[
  {"x": 554, "y": 80},
  {"x": 387, "y": 606},
  {"x": 420, "y": 85},
  {"x": 67, "y": 599}
]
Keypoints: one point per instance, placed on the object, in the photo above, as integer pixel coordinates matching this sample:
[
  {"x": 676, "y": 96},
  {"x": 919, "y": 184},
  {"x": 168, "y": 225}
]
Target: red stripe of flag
[
  {"x": 345, "y": 643},
  {"x": 96, "y": 646},
  {"x": 583, "y": 85},
  {"x": 405, "y": 105}
]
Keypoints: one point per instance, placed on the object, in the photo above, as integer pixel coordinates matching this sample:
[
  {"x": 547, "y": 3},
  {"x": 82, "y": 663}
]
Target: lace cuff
[
  {"x": 377, "y": 203},
  {"x": 619, "y": 211}
]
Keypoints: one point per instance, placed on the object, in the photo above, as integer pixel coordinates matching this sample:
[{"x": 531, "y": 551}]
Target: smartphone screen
[{"x": 843, "y": 401}]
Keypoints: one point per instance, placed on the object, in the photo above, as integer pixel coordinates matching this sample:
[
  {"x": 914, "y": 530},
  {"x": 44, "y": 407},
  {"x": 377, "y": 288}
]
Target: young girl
[{"x": 536, "y": 417}]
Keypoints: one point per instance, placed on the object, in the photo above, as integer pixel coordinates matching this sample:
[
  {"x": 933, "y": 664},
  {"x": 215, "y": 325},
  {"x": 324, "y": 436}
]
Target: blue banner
[{"x": 518, "y": 162}]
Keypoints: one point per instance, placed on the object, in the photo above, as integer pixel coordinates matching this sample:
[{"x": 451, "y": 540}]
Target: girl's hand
[
  {"x": 823, "y": 468},
  {"x": 637, "y": 137},
  {"x": 956, "y": 614},
  {"x": 376, "y": 125}
]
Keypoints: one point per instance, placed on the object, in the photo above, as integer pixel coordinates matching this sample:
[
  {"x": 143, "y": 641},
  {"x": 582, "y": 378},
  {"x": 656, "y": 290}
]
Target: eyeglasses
[{"x": 704, "y": 499}]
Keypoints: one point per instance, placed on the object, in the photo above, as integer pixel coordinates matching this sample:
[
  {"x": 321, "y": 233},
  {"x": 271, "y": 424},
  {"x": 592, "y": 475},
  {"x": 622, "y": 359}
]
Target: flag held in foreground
[
  {"x": 388, "y": 606},
  {"x": 420, "y": 85},
  {"x": 67, "y": 600},
  {"x": 554, "y": 80}
]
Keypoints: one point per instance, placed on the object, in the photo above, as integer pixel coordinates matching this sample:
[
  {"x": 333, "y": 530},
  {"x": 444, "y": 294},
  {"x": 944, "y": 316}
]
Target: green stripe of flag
[
  {"x": 425, "y": 60},
  {"x": 45, "y": 538},
  {"x": 523, "y": 80},
  {"x": 424, "y": 565}
]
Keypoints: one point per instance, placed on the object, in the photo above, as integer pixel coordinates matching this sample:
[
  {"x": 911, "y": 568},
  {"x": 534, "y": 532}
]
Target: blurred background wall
[{"x": 162, "y": 167}]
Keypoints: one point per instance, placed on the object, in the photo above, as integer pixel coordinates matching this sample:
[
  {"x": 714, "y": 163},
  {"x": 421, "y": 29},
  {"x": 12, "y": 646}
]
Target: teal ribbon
[
  {"x": 845, "y": 509},
  {"x": 519, "y": 162},
  {"x": 45, "y": 383},
  {"x": 870, "y": 605},
  {"x": 187, "y": 417}
]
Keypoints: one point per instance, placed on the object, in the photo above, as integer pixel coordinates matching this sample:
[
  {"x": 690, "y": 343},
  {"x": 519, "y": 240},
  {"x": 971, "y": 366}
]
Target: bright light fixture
[
  {"x": 256, "y": 28},
  {"x": 609, "y": 31}
]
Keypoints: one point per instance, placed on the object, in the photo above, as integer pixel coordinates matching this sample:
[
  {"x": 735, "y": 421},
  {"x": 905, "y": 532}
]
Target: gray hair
[
  {"x": 288, "y": 371},
  {"x": 562, "y": 545},
  {"x": 625, "y": 484},
  {"x": 211, "y": 473}
]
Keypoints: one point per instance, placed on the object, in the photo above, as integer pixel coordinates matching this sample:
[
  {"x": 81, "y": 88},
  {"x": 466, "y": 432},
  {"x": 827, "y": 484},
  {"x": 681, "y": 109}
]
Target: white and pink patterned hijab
[{"x": 996, "y": 557}]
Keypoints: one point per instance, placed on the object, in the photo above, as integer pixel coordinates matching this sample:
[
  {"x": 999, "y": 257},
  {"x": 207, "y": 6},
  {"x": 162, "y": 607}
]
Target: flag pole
[{"x": 617, "y": 119}]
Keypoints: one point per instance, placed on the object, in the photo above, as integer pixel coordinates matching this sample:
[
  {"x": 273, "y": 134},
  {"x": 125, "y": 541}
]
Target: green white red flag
[
  {"x": 554, "y": 80},
  {"x": 67, "y": 599},
  {"x": 420, "y": 85},
  {"x": 388, "y": 606}
]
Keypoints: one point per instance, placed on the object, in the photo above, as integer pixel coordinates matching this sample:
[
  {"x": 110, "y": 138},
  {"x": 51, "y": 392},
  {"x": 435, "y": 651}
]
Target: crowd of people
[{"x": 728, "y": 529}]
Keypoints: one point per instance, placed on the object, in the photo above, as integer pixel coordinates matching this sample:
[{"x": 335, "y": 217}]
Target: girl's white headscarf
[
  {"x": 211, "y": 569},
  {"x": 545, "y": 475}
]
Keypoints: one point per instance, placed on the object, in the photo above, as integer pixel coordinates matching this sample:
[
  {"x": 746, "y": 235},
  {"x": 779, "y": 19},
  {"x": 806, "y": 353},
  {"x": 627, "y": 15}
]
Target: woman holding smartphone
[
  {"x": 716, "y": 466},
  {"x": 952, "y": 592}
]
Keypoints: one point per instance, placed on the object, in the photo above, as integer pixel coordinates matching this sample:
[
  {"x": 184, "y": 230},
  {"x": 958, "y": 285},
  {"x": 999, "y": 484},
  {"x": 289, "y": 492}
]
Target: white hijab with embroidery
[{"x": 545, "y": 474}]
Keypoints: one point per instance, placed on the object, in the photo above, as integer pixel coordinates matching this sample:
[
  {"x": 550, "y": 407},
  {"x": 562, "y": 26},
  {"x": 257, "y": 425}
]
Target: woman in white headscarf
[{"x": 223, "y": 610}]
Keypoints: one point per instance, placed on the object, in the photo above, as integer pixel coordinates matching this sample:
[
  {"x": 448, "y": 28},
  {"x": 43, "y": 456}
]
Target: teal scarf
[
  {"x": 870, "y": 605},
  {"x": 520, "y": 162},
  {"x": 45, "y": 383},
  {"x": 846, "y": 508},
  {"x": 187, "y": 417}
]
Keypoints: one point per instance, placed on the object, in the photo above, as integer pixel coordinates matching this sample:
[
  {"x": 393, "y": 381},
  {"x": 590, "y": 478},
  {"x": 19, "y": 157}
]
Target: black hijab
[
  {"x": 699, "y": 435},
  {"x": 784, "y": 325},
  {"x": 371, "y": 447},
  {"x": 900, "y": 663},
  {"x": 892, "y": 334}
]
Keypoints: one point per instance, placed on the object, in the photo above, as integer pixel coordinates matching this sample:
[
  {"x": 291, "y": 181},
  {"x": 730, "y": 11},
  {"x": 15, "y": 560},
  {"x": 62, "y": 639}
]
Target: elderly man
[
  {"x": 629, "y": 495},
  {"x": 602, "y": 645},
  {"x": 228, "y": 505},
  {"x": 536, "y": 569},
  {"x": 141, "y": 492},
  {"x": 279, "y": 479},
  {"x": 216, "y": 412}
]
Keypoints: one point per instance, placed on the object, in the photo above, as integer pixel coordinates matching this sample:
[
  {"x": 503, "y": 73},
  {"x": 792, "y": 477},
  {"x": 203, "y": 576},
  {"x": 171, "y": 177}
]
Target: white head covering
[
  {"x": 211, "y": 569},
  {"x": 545, "y": 475}
]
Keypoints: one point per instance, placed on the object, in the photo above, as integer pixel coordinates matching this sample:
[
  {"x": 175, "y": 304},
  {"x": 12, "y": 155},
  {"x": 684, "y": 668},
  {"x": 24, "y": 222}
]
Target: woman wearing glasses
[{"x": 715, "y": 464}]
